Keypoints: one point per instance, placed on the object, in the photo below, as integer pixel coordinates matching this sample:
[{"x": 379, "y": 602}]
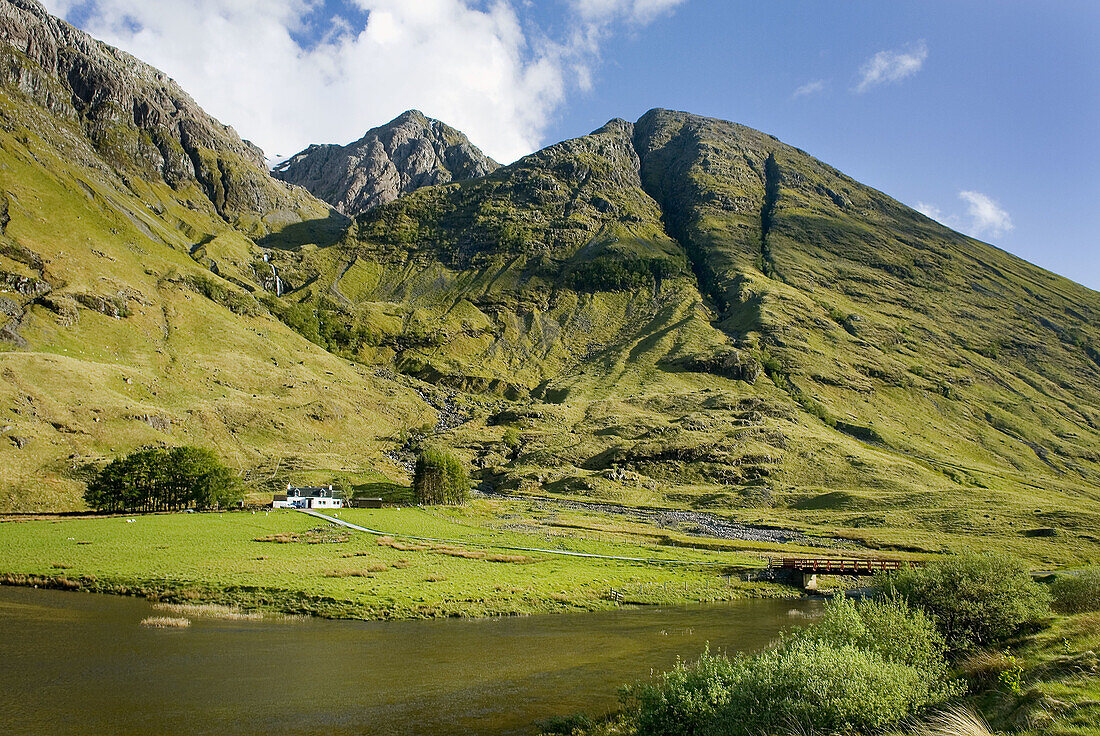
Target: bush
[
  {"x": 440, "y": 478},
  {"x": 891, "y": 630},
  {"x": 861, "y": 668},
  {"x": 975, "y": 599},
  {"x": 685, "y": 700},
  {"x": 1077, "y": 593},
  {"x": 827, "y": 687}
]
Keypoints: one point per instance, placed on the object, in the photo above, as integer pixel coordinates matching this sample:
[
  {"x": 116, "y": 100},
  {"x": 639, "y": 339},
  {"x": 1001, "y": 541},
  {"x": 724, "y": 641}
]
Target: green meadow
[{"x": 473, "y": 561}]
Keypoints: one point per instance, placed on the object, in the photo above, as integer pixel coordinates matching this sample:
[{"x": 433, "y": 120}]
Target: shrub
[
  {"x": 861, "y": 668},
  {"x": 814, "y": 684},
  {"x": 975, "y": 599},
  {"x": 1077, "y": 593},
  {"x": 833, "y": 688},
  {"x": 891, "y": 630},
  {"x": 440, "y": 478},
  {"x": 685, "y": 700}
]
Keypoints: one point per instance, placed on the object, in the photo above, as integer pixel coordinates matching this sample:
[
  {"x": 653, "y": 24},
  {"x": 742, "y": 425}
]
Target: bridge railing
[{"x": 838, "y": 565}]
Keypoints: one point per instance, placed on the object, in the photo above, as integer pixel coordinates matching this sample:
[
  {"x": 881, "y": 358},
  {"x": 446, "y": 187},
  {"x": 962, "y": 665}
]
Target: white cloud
[
  {"x": 984, "y": 216},
  {"x": 929, "y": 210},
  {"x": 810, "y": 88},
  {"x": 892, "y": 66},
  {"x": 471, "y": 63},
  {"x": 639, "y": 12},
  {"x": 987, "y": 217}
]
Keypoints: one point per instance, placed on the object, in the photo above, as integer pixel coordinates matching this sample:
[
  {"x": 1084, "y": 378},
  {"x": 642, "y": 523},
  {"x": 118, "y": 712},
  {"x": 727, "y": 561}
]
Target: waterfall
[{"x": 278, "y": 281}]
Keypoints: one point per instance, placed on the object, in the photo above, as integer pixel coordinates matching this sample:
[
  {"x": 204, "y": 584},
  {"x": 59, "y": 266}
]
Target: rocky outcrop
[
  {"x": 136, "y": 118},
  {"x": 409, "y": 152}
]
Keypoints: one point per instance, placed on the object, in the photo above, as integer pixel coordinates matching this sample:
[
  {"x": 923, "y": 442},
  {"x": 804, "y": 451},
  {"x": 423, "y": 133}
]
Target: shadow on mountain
[{"x": 321, "y": 232}]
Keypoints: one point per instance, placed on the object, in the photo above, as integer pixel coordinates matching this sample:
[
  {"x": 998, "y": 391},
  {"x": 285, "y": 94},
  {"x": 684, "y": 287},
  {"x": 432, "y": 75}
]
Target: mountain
[
  {"x": 409, "y": 152},
  {"x": 684, "y": 310},
  {"x": 678, "y": 311}
]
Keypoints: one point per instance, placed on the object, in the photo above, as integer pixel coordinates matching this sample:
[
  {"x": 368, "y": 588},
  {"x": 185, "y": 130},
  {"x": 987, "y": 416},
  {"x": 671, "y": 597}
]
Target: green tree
[
  {"x": 440, "y": 478},
  {"x": 160, "y": 479},
  {"x": 198, "y": 478}
]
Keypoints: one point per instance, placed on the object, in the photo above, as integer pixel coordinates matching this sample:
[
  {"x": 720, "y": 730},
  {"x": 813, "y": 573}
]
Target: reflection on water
[{"x": 73, "y": 663}]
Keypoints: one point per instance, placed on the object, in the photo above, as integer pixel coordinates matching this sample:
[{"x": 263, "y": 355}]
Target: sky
[{"x": 983, "y": 114}]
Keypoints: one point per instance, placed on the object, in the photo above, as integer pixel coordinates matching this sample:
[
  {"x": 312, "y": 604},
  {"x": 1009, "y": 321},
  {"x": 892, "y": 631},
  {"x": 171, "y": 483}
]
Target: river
[{"x": 79, "y": 663}]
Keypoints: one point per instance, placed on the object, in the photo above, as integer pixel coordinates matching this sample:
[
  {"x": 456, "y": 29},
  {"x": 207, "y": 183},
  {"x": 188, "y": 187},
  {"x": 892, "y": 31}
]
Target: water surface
[{"x": 78, "y": 663}]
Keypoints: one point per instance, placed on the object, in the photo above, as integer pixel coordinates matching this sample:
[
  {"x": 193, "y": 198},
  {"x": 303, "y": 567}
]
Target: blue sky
[{"x": 984, "y": 114}]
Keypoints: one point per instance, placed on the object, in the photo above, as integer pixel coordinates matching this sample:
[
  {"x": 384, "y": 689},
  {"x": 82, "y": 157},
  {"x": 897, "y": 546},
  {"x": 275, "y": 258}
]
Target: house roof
[{"x": 314, "y": 491}]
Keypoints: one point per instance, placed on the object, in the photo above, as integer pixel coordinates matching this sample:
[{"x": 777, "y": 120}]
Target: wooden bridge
[{"x": 811, "y": 567}]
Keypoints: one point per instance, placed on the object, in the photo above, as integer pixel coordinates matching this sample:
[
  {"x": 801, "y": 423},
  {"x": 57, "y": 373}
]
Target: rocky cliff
[
  {"x": 139, "y": 120},
  {"x": 409, "y": 152}
]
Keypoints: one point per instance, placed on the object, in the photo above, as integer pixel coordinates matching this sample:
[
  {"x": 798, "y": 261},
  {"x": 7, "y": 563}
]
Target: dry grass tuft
[
  {"x": 401, "y": 546},
  {"x": 367, "y": 572},
  {"x": 954, "y": 721},
  {"x": 280, "y": 538},
  {"x": 984, "y": 669},
  {"x": 435, "y": 578},
  {"x": 165, "y": 622},
  {"x": 518, "y": 559},
  {"x": 458, "y": 552},
  {"x": 1085, "y": 625}
]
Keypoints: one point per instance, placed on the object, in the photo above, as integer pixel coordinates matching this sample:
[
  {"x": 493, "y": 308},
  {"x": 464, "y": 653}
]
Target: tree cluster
[
  {"x": 161, "y": 479},
  {"x": 608, "y": 274},
  {"x": 440, "y": 478}
]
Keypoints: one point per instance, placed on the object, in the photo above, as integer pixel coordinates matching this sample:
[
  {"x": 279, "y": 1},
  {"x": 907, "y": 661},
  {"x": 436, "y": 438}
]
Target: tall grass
[
  {"x": 953, "y": 721},
  {"x": 1078, "y": 593}
]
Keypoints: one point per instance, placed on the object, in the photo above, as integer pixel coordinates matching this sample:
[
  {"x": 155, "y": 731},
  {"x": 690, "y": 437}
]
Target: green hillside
[{"x": 676, "y": 312}]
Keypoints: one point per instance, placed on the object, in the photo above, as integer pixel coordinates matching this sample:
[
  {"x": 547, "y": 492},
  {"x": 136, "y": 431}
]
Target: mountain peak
[{"x": 407, "y": 153}]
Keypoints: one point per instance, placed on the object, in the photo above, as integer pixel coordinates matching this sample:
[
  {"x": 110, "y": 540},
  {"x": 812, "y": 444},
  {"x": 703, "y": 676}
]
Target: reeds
[
  {"x": 209, "y": 610},
  {"x": 165, "y": 622}
]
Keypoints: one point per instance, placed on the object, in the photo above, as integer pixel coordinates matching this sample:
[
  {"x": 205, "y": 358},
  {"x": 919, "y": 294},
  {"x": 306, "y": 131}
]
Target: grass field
[{"x": 293, "y": 563}]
